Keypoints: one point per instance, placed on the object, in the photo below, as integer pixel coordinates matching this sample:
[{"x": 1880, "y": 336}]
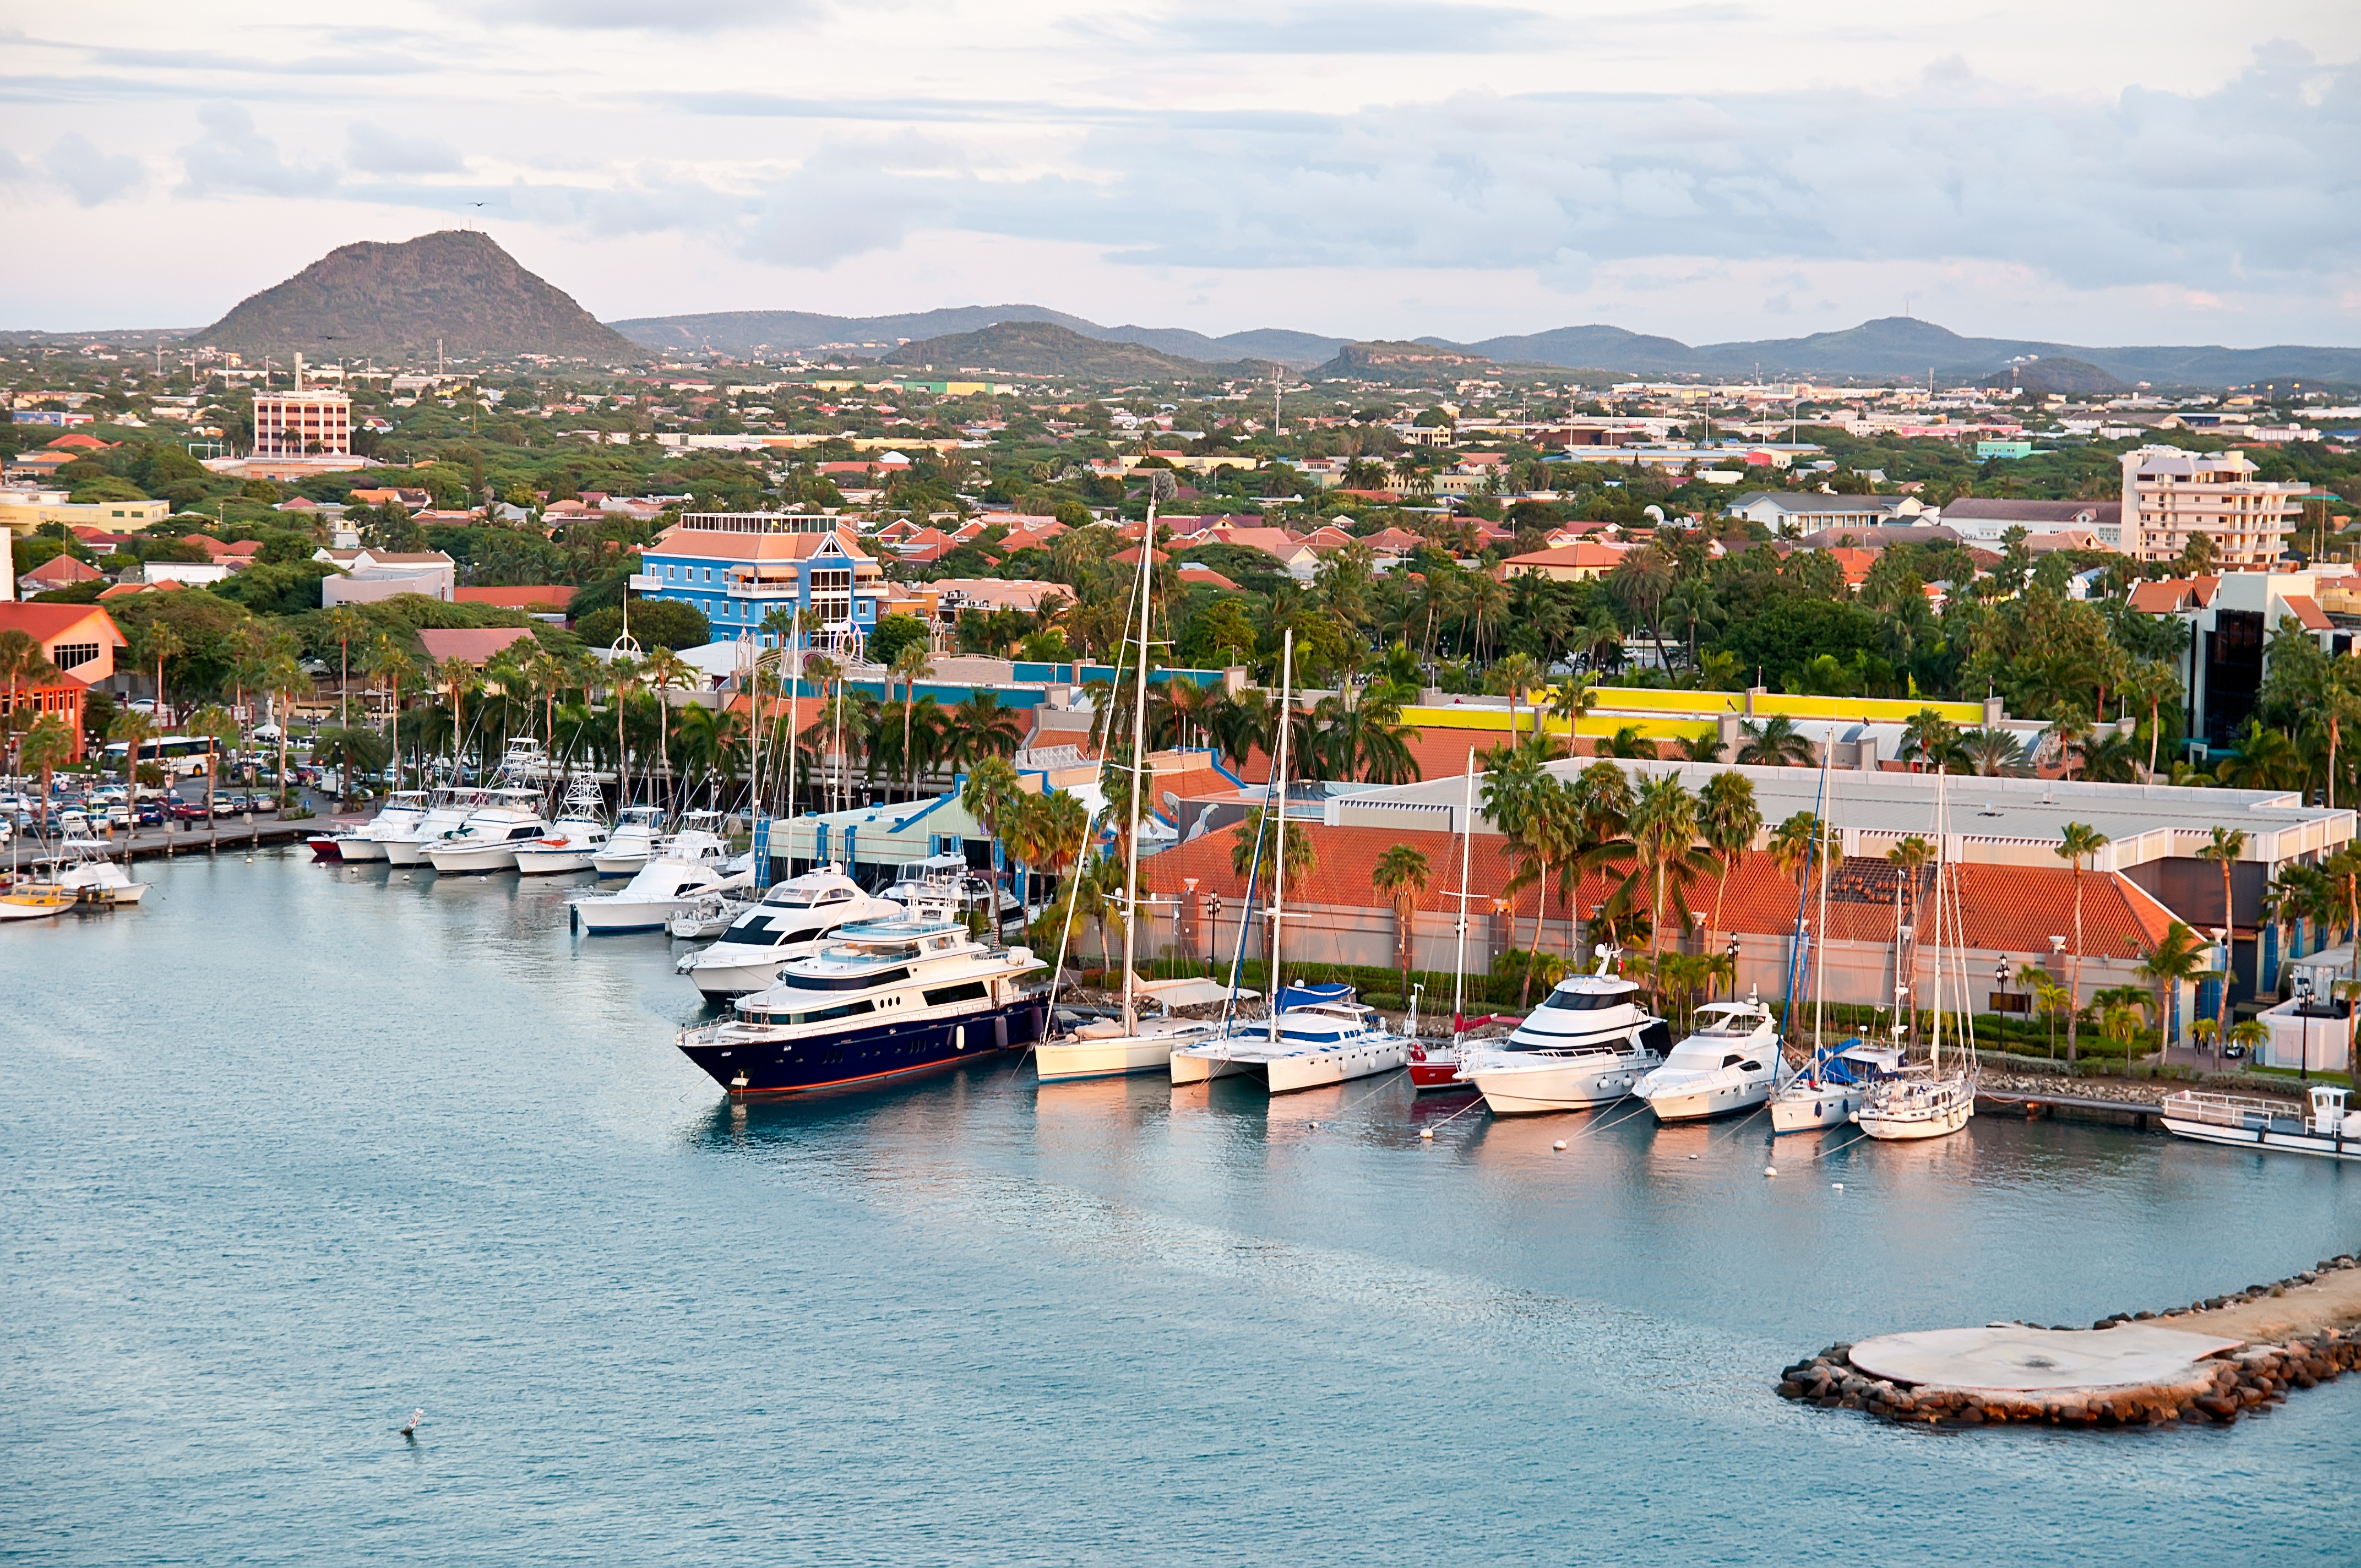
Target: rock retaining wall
[{"x": 2220, "y": 1389}]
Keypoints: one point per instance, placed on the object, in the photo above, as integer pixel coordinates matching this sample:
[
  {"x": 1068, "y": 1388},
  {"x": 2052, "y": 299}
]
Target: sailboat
[
  {"x": 1928, "y": 1100},
  {"x": 1314, "y": 1034},
  {"x": 1115, "y": 1046}
]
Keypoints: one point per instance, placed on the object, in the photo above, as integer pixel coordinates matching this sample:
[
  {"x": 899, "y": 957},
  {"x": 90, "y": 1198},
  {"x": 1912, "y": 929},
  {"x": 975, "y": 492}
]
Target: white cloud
[
  {"x": 370, "y": 149},
  {"x": 232, "y": 156},
  {"x": 90, "y": 175}
]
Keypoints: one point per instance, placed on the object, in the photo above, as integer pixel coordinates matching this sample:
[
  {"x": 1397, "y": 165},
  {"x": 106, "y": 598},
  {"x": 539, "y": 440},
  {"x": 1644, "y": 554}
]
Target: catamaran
[{"x": 1315, "y": 1034}]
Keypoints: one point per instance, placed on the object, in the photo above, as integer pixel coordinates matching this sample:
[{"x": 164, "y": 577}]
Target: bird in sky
[{"x": 410, "y": 1428}]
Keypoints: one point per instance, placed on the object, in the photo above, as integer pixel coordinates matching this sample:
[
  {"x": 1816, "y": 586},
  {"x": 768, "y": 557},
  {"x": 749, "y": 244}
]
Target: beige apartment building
[
  {"x": 2171, "y": 496},
  {"x": 296, "y": 424}
]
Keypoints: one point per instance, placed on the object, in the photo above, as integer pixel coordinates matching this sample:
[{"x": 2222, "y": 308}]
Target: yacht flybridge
[
  {"x": 631, "y": 842},
  {"x": 446, "y": 810},
  {"x": 402, "y": 812},
  {"x": 1731, "y": 1063},
  {"x": 1586, "y": 1044},
  {"x": 790, "y": 922},
  {"x": 884, "y": 1000}
]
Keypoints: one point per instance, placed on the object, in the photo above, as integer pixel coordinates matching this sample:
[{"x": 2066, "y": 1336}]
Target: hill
[
  {"x": 1390, "y": 360},
  {"x": 2052, "y": 373},
  {"x": 394, "y": 302},
  {"x": 1046, "y": 348},
  {"x": 758, "y": 332},
  {"x": 1577, "y": 347}
]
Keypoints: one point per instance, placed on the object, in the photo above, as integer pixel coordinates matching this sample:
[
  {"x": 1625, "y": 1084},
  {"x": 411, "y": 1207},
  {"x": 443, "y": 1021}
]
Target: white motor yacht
[
  {"x": 445, "y": 813},
  {"x": 2249, "y": 1122},
  {"x": 402, "y": 812},
  {"x": 790, "y": 922},
  {"x": 488, "y": 840},
  {"x": 579, "y": 832},
  {"x": 1318, "y": 1034},
  {"x": 883, "y": 1000},
  {"x": 661, "y": 889},
  {"x": 83, "y": 871},
  {"x": 1731, "y": 1063},
  {"x": 1586, "y": 1044},
  {"x": 632, "y": 840},
  {"x": 1826, "y": 1091}
]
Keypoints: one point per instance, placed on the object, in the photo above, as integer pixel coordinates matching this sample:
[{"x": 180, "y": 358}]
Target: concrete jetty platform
[{"x": 2214, "y": 1360}]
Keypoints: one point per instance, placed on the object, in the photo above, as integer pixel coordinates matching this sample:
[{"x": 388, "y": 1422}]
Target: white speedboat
[
  {"x": 1730, "y": 1064},
  {"x": 82, "y": 871},
  {"x": 1587, "y": 1044},
  {"x": 488, "y": 840},
  {"x": 948, "y": 879},
  {"x": 1826, "y": 1091},
  {"x": 2248, "y": 1123},
  {"x": 1316, "y": 1036},
  {"x": 445, "y": 813},
  {"x": 790, "y": 922},
  {"x": 402, "y": 811},
  {"x": 632, "y": 840},
  {"x": 579, "y": 832},
  {"x": 884, "y": 999},
  {"x": 707, "y": 918},
  {"x": 661, "y": 889}
]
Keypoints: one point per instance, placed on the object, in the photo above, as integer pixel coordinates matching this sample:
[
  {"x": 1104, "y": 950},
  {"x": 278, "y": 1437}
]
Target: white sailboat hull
[
  {"x": 1901, "y": 1112},
  {"x": 1188, "y": 1067},
  {"x": 1803, "y": 1112},
  {"x": 1339, "y": 1064},
  {"x": 2243, "y": 1138}
]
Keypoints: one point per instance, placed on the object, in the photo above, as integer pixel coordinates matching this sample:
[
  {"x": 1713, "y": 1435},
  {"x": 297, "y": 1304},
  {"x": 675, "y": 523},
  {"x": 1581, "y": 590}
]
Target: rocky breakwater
[{"x": 2214, "y": 1361}]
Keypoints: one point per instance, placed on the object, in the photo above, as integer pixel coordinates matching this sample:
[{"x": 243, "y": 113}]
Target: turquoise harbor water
[{"x": 290, "y": 1151}]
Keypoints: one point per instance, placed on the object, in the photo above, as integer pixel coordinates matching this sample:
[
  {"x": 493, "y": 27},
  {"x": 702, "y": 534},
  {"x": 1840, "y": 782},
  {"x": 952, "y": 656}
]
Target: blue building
[{"x": 740, "y": 567}]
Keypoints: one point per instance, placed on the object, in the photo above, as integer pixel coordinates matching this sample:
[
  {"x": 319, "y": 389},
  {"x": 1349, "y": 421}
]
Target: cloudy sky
[{"x": 2094, "y": 172}]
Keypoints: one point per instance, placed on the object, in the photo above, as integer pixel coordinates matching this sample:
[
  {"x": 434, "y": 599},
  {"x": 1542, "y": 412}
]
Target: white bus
[{"x": 182, "y": 756}]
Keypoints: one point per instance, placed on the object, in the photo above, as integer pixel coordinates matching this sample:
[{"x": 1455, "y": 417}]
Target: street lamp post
[{"x": 2303, "y": 1012}]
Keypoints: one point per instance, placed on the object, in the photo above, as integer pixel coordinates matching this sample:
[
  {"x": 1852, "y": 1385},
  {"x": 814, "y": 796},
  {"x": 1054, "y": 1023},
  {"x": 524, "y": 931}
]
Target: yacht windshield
[{"x": 1583, "y": 1001}]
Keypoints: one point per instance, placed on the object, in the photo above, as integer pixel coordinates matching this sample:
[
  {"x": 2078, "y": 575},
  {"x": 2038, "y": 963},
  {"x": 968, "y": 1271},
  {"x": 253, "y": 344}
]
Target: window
[
  {"x": 973, "y": 990},
  {"x": 1583, "y": 1001},
  {"x": 72, "y": 655}
]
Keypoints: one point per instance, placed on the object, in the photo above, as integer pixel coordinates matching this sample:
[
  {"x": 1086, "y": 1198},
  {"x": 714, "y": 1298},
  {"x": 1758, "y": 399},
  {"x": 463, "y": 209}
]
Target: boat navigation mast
[
  {"x": 1278, "y": 841},
  {"x": 1139, "y": 765}
]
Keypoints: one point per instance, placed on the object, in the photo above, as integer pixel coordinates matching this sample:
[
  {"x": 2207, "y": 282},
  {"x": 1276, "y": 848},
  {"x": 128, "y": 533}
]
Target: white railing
[{"x": 2223, "y": 1110}]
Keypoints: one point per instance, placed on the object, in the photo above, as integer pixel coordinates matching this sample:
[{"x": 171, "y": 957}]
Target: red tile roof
[
  {"x": 59, "y": 570},
  {"x": 2307, "y": 612},
  {"x": 44, "y": 623},
  {"x": 475, "y": 645},
  {"x": 555, "y": 595}
]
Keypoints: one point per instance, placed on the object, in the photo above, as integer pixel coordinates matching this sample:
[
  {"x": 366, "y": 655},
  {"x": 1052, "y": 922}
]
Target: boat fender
[
  {"x": 1770, "y": 1170},
  {"x": 1427, "y": 1133},
  {"x": 1315, "y": 1126},
  {"x": 1559, "y": 1146},
  {"x": 1838, "y": 1185}
]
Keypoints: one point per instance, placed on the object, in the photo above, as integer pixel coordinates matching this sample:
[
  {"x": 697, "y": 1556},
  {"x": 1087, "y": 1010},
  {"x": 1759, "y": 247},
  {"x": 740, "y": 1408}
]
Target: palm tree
[
  {"x": 1729, "y": 817},
  {"x": 1934, "y": 741},
  {"x": 158, "y": 642},
  {"x": 2077, "y": 842},
  {"x": 1773, "y": 743},
  {"x": 2250, "y": 1033},
  {"x": 2207, "y": 1032},
  {"x": 2176, "y": 959},
  {"x": 23, "y": 663},
  {"x": 48, "y": 746},
  {"x": 385, "y": 660},
  {"x": 345, "y": 623},
  {"x": 979, "y": 728},
  {"x": 284, "y": 679},
  {"x": 1518, "y": 676},
  {"x": 991, "y": 785},
  {"x": 1994, "y": 754},
  {"x": 910, "y": 666},
  {"x": 135, "y": 729},
  {"x": 2227, "y": 846},
  {"x": 1402, "y": 876},
  {"x": 1663, "y": 833},
  {"x": 668, "y": 671},
  {"x": 218, "y": 724},
  {"x": 2263, "y": 759},
  {"x": 545, "y": 674},
  {"x": 1795, "y": 844}
]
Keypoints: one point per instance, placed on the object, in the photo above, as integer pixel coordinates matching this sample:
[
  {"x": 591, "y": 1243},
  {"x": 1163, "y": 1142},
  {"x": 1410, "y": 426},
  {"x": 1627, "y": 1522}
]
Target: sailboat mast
[
  {"x": 795, "y": 688},
  {"x": 1467, "y": 842},
  {"x": 1278, "y": 841},
  {"x": 1138, "y": 764},
  {"x": 1820, "y": 947},
  {"x": 1942, "y": 839}
]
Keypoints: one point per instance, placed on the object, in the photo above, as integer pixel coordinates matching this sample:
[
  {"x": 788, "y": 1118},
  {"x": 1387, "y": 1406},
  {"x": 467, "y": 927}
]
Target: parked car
[
  {"x": 188, "y": 811},
  {"x": 73, "y": 824}
]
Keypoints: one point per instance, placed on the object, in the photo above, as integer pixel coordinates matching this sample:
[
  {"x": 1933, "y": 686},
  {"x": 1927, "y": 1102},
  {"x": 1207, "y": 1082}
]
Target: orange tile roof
[
  {"x": 2009, "y": 909},
  {"x": 2307, "y": 612},
  {"x": 47, "y": 623}
]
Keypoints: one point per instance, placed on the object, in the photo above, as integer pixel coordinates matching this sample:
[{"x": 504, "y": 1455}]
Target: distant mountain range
[
  {"x": 1900, "y": 347},
  {"x": 456, "y": 288},
  {"x": 460, "y": 289}
]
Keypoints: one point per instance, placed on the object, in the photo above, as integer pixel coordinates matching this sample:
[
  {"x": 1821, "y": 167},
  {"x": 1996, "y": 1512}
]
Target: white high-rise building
[{"x": 2171, "y": 496}]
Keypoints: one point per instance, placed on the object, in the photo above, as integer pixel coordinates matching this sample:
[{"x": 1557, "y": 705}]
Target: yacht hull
[
  {"x": 473, "y": 859},
  {"x": 328, "y": 846},
  {"x": 617, "y": 917},
  {"x": 1570, "y": 1086},
  {"x": 1904, "y": 1126},
  {"x": 357, "y": 849},
  {"x": 721, "y": 982},
  {"x": 864, "y": 1057},
  {"x": 405, "y": 852},
  {"x": 550, "y": 862},
  {"x": 1704, "y": 1104},
  {"x": 607, "y": 864},
  {"x": 2276, "y": 1135}
]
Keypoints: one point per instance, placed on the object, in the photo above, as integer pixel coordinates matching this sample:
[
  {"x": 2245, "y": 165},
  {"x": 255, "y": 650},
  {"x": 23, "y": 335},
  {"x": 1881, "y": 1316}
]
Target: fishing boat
[
  {"x": 631, "y": 842},
  {"x": 579, "y": 832},
  {"x": 1726, "y": 1066},
  {"x": 39, "y": 901},
  {"x": 791, "y": 920},
  {"x": 81, "y": 871},
  {"x": 402, "y": 812},
  {"x": 1587, "y": 1044},
  {"x": 2328, "y": 1130},
  {"x": 1826, "y": 1090},
  {"x": 488, "y": 840},
  {"x": 886, "y": 999},
  {"x": 1930, "y": 1099},
  {"x": 445, "y": 813},
  {"x": 661, "y": 890}
]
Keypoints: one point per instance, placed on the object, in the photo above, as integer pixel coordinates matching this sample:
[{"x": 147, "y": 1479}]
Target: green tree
[
  {"x": 909, "y": 666},
  {"x": 1402, "y": 876},
  {"x": 1773, "y": 743},
  {"x": 2077, "y": 842},
  {"x": 1729, "y": 817},
  {"x": 2175, "y": 960}
]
